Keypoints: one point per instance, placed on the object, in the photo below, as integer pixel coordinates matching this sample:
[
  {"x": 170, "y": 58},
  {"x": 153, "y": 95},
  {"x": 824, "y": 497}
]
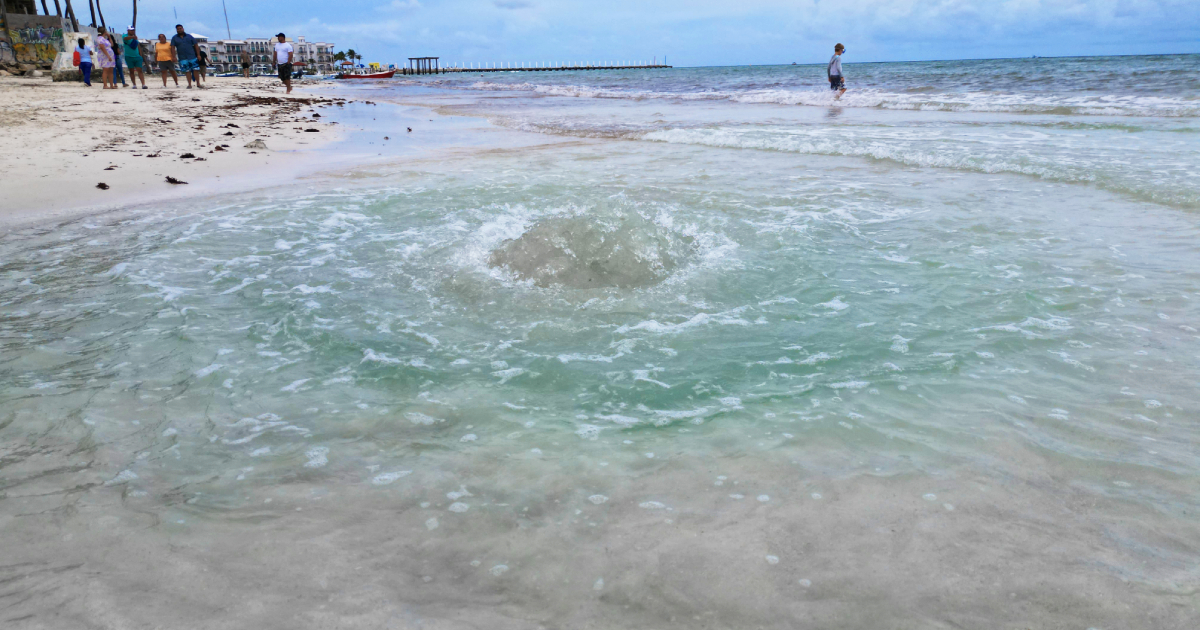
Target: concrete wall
[{"x": 31, "y": 39}]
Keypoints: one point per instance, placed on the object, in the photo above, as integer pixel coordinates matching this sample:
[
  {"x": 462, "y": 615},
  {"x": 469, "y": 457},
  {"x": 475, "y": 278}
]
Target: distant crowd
[{"x": 181, "y": 54}]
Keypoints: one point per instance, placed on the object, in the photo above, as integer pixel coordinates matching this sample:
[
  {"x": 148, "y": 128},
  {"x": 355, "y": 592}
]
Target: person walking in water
[
  {"x": 164, "y": 54},
  {"x": 837, "y": 82},
  {"x": 283, "y": 61}
]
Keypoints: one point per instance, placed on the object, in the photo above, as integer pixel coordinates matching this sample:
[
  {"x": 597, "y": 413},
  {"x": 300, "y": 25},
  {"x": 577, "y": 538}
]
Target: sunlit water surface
[{"x": 684, "y": 368}]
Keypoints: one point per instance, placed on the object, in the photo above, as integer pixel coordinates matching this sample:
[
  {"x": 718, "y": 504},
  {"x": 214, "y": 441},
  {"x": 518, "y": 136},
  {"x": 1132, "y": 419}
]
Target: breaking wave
[{"x": 981, "y": 101}]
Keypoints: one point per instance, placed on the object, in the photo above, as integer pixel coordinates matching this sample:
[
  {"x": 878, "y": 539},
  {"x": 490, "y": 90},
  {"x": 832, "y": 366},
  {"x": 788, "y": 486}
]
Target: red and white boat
[
  {"x": 363, "y": 75},
  {"x": 366, "y": 73}
]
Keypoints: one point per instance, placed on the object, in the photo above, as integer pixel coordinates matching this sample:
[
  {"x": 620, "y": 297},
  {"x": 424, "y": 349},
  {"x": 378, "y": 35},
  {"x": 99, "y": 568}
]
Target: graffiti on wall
[{"x": 36, "y": 44}]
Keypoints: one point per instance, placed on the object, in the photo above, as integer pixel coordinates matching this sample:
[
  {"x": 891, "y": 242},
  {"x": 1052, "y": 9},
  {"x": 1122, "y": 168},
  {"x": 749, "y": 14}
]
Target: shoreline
[{"x": 66, "y": 139}]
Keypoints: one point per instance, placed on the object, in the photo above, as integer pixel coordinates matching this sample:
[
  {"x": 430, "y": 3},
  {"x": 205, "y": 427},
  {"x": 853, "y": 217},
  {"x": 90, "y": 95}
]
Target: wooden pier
[{"x": 430, "y": 65}]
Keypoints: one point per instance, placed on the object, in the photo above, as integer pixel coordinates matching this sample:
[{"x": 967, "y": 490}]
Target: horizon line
[{"x": 818, "y": 63}]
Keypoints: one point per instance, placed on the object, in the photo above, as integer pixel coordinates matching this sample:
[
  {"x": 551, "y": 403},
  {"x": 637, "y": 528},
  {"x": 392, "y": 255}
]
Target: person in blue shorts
[
  {"x": 187, "y": 52},
  {"x": 837, "y": 82}
]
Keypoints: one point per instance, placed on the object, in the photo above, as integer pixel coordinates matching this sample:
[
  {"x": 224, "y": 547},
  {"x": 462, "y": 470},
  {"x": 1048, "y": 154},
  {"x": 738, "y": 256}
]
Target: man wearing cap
[
  {"x": 187, "y": 52},
  {"x": 283, "y": 61},
  {"x": 837, "y": 82},
  {"x": 133, "y": 58}
]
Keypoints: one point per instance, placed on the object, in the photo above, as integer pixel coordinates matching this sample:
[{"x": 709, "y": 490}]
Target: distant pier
[{"x": 431, "y": 65}]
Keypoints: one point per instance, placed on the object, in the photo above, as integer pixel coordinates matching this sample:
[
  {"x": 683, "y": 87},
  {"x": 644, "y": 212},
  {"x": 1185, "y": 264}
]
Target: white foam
[
  {"x": 378, "y": 357},
  {"x": 205, "y": 371},
  {"x": 317, "y": 457},
  {"x": 384, "y": 479},
  {"x": 295, "y": 385},
  {"x": 458, "y": 494},
  {"x": 125, "y": 476},
  {"x": 421, "y": 419},
  {"x": 836, "y": 304},
  {"x": 588, "y": 431}
]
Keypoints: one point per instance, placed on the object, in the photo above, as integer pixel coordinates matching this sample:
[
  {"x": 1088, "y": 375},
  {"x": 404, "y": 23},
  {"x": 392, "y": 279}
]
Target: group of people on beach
[{"x": 182, "y": 50}]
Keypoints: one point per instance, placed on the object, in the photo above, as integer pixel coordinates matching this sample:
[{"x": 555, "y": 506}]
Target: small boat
[{"x": 387, "y": 74}]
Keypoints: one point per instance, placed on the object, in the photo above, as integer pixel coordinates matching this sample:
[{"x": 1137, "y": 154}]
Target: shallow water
[{"x": 676, "y": 368}]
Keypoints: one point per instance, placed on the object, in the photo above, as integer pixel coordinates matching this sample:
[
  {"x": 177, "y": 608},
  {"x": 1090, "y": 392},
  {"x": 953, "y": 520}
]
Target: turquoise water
[{"x": 682, "y": 364}]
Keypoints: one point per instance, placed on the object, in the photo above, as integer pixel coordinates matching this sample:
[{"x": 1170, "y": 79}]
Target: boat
[
  {"x": 371, "y": 71},
  {"x": 359, "y": 74}
]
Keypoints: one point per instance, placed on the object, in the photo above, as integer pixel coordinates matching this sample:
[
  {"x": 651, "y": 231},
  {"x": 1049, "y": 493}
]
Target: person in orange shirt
[{"x": 164, "y": 54}]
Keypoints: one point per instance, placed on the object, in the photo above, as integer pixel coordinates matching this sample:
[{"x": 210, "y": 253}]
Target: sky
[{"x": 691, "y": 32}]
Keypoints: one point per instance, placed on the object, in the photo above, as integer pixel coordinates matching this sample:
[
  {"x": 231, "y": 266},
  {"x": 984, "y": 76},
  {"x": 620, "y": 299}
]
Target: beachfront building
[
  {"x": 225, "y": 55},
  {"x": 316, "y": 56}
]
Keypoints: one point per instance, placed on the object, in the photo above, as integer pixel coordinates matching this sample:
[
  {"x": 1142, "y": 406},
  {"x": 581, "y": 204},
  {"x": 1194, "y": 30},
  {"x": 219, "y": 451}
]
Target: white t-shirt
[
  {"x": 835, "y": 66},
  {"x": 281, "y": 52}
]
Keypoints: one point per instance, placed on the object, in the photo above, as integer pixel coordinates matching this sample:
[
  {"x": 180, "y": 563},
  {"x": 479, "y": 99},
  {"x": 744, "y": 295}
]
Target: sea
[{"x": 647, "y": 348}]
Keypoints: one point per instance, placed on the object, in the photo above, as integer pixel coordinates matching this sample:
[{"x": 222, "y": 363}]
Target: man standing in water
[
  {"x": 837, "y": 82},
  {"x": 283, "y": 61}
]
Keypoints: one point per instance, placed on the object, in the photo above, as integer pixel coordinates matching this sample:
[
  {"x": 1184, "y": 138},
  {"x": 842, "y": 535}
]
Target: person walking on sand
[
  {"x": 283, "y": 61},
  {"x": 245, "y": 63},
  {"x": 837, "y": 82},
  {"x": 187, "y": 52},
  {"x": 202, "y": 71},
  {"x": 133, "y": 59},
  {"x": 164, "y": 54},
  {"x": 107, "y": 60},
  {"x": 85, "y": 61}
]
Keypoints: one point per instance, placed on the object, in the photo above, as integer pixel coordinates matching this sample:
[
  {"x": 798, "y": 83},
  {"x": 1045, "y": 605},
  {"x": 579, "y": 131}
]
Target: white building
[{"x": 225, "y": 55}]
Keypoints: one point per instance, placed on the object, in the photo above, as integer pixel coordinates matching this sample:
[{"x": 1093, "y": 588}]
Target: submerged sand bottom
[{"x": 668, "y": 549}]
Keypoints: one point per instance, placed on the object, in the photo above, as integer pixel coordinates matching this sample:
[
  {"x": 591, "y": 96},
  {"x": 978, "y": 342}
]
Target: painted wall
[
  {"x": 37, "y": 44},
  {"x": 35, "y": 39}
]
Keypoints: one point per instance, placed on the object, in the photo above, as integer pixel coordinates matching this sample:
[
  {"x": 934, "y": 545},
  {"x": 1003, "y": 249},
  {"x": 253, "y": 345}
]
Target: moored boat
[{"x": 386, "y": 74}]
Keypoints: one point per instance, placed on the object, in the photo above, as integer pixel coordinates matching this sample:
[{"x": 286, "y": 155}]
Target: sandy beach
[{"x": 63, "y": 139}]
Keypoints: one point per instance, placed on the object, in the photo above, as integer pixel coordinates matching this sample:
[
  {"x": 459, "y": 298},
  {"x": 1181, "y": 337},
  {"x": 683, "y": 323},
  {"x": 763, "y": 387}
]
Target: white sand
[{"x": 59, "y": 139}]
